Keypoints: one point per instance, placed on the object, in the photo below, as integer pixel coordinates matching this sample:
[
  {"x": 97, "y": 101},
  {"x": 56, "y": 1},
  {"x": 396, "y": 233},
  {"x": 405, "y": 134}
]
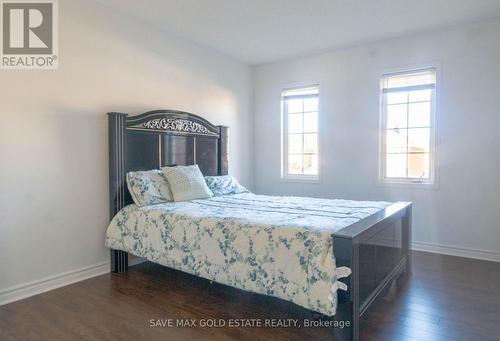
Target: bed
[{"x": 298, "y": 249}]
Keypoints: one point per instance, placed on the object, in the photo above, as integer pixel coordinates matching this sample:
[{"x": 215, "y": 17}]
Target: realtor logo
[{"x": 29, "y": 34}]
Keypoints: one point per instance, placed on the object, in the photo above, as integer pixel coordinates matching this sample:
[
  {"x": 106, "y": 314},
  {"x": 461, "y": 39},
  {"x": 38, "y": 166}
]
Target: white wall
[
  {"x": 462, "y": 215},
  {"x": 53, "y": 131}
]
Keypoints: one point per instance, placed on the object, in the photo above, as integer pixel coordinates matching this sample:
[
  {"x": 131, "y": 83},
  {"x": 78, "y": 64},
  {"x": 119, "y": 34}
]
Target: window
[
  {"x": 408, "y": 103},
  {"x": 300, "y": 133}
]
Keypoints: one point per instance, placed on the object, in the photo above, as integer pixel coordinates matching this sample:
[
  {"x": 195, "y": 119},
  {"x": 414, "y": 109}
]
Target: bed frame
[{"x": 377, "y": 248}]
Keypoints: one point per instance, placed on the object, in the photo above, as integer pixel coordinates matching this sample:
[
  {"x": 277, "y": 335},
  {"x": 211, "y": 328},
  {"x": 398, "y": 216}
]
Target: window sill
[
  {"x": 407, "y": 184},
  {"x": 301, "y": 179}
]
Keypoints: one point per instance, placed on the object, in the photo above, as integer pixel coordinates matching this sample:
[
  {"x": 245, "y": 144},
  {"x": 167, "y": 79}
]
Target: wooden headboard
[{"x": 159, "y": 138}]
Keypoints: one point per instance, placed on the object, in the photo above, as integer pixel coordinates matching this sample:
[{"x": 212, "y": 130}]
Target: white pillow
[{"x": 186, "y": 183}]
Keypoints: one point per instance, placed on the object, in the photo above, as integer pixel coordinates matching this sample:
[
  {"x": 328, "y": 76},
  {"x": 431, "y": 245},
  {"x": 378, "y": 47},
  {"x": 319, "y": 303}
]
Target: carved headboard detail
[{"x": 159, "y": 138}]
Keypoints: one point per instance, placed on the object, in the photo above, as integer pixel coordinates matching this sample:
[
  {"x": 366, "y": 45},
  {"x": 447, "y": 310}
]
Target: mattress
[{"x": 276, "y": 246}]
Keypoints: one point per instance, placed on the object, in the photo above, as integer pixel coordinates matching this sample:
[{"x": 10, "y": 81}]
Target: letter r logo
[{"x": 27, "y": 27}]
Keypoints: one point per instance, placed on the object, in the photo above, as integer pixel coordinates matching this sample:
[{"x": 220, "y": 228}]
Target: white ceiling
[{"x": 261, "y": 31}]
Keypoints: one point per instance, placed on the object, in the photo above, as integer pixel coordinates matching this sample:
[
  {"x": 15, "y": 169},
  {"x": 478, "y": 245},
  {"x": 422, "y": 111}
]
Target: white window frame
[
  {"x": 285, "y": 176},
  {"x": 430, "y": 182}
]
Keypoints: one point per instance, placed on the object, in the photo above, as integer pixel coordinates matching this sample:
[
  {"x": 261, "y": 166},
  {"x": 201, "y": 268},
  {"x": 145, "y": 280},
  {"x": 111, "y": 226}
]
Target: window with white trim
[
  {"x": 408, "y": 106},
  {"x": 300, "y": 140}
]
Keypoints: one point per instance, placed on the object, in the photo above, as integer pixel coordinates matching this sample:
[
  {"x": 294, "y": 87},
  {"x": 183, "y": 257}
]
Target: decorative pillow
[
  {"x": 224, "y": 185},
  {"x": 148, "y": 187},
  {"x": 186, "y": 183}
]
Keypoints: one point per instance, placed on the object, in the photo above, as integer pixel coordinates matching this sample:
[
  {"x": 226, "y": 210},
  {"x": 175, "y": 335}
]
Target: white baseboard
[
  {"x": 456, "y": 251},
  {"x": 25, "y": 290},
  {"x": 19, "y": 292}
]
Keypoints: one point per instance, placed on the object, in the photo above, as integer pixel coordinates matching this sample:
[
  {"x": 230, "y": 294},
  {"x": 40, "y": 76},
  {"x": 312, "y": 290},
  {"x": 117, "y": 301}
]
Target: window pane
[
  {"x": 313, "y": 90},
  {"x": 295, "y": 123},
  {"x": 301, "y": 134},
  {"x": 295, "y": 105},
  {"x": 295, "y": 143},
  {"x": 396, "y": 141},
  {"x": 311, "y": 122},
  {"x": 397, "y": 97},
  {"x": 310, "y": 143},
  {"x": 311, "y": 104},
  {"x": 410, "y": 78},
  {"x": 420, "y": 95},
  {"x": 418, "y": 166},
  {"x": 419, "y": 140},
  {"x": 395, "y": 166},
  {"x": 295, "y": 164},
  {"x": 408, "y": 123},
  {"x": 419, "y": 114},
  {"x": 311, "y": 164},
  {"x": 396, "y": 116}
]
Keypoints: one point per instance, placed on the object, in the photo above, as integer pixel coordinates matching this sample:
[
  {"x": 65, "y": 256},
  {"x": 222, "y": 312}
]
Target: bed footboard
[{"x": 377, "y": 249}]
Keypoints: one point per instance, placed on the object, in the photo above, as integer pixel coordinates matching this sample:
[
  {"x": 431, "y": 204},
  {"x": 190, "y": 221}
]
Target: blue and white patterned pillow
[
  {"x": 224, "y": 185},
  {"x": 149, "y": 187}
]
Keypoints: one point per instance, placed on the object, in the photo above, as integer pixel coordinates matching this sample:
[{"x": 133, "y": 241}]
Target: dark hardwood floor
[{"x": 447, "y": 298}]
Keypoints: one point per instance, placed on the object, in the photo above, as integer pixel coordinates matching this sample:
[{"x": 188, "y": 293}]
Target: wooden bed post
[
  {"x": 407, "y": 239},
  {"x": 117, "y": 189},
  {"x": 347, "y": 254},
  {"x": 119, "y": 261},
  {"x": 222, "y": 162}
]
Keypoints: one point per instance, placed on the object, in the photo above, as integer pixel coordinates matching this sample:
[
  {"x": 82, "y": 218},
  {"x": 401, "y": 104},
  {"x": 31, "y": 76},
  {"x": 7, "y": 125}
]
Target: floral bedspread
[{"x": 277, "y": 246}]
